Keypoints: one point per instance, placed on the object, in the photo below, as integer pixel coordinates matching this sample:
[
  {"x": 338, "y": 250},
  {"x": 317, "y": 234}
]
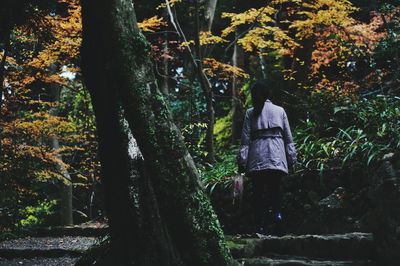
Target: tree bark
[
  {"x": 263, "y": 65},
  {"x": 6, "y": 49},
  {"x": 117, "y": 67},
  {"x": 3, "y": 65},
  {"x": 210, "y": 13},
  {"x": 66, "y": 186},
  {"x": 165, "y": 78},
  {"x": 113, "y": 142},
  {"x": 237, "y": 105}
]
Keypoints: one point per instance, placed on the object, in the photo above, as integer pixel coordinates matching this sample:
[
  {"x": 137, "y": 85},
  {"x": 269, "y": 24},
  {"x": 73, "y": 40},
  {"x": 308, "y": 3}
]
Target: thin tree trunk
[
  {"x": 263, "y": 64},
  {"x": 6, "y": 49},
  {"x": 164, "y": 85},
  {"x": 210, "y": 13},
  {"x": 66, "y": 188},
  {"x": 66, "y": 183},
  {"x": 202, "y": 78},
  {"x": 237, "y": 106},
  {"x": 204, "y": 83},
  {"x": 3, "y": 67},
  {"x": 124, "y": 72},
  {"x": 206, "y": 24}
]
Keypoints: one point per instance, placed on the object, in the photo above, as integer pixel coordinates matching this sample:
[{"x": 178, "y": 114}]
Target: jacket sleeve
[
  {"x": 244, "y": 143},
  {"x": 291, "y": 153}
]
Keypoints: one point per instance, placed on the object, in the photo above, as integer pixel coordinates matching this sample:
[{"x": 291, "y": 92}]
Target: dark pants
[{"x": 267, "y": 195}]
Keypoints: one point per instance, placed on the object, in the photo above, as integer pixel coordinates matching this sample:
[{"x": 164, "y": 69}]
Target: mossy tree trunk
[
  {"x": 117, "y": 68},
  {"x": 113, "y": 144}
]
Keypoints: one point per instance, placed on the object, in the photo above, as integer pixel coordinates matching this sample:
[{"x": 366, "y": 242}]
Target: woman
[{"x": 266, "y": 152}]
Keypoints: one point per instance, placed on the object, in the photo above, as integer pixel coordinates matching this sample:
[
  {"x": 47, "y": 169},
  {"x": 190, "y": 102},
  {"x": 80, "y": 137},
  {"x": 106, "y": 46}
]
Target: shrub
[
  {"x": 34, "y": 216},
  {"x": 359, "y": 134},
  {"x": 221, "y": 172}
]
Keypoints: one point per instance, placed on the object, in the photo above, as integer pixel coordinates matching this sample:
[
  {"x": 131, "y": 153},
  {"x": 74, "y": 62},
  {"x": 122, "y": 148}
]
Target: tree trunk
[
  {"x": 210, "y": 126},
  {"x": 263, "y": 64},
  {"x": 66, "y": 182},
  {"x": 3, "y": 65},
  {"x": 165, "y": 78},
  {"x": 237, "y": 105},
  {"x": 210, "y": 13},
  {"x": 6, "y": 49},
  {"x": 117, "y": 67},
  {"x": 158, "y": 248},
  {"x": 199, "y": 72},
  {"x": 158, "y": 245},
  {"x": 113, "y": 142},
  {"x": 207, "y": 90},
  {"x": 164, "y": 84}
]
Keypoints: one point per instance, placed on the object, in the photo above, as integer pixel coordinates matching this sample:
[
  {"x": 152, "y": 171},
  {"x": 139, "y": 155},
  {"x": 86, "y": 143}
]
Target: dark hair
[{"x": 259, "y": 94}]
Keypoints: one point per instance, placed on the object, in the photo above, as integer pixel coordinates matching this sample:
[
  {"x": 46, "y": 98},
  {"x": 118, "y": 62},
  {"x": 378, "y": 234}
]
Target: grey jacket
[{"x": 266, "y": 141}]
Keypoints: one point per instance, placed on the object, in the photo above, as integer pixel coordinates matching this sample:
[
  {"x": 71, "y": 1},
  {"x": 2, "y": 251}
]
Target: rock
[
  {"x": 328, "y": 215},
  {"x": 313, "y": 197},
  {"x": 388, "y": 157},
  {"x": 243, "y": 247},
  {"x": 335, "y": 200},
  {"x": 384, "y": 193}
]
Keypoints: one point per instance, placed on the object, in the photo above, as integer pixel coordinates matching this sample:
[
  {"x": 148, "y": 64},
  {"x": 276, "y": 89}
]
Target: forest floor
[{"x": 63, "y": 246}]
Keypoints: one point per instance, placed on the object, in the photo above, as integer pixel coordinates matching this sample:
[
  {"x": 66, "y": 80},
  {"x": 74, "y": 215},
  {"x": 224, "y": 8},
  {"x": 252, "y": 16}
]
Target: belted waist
[{"x": 275, "y": 132}]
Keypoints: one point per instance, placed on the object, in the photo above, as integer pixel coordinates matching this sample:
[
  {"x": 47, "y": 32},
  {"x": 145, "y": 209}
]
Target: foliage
[
  {"x": 171, "y": 4},
  {"x": 151, "y": 24},
  {"x": 214, "y": 68},
  {"x": 221, "y": 173},
  {"x": 222, "y": 131},
  {"x": 42, "y": 133},
  {"x": 25, "y": 145},
  {"x": 187, "y": 105},
  {"x": 194, "y": 134},
  {"x": 325, "y": 29},
  {"x": 67, "y": 33},
  {"x": 362, "y": 132},
  {"x": 206, "y": 38},
  {"x": 266, "y": 35},
  {"x": 34, "y": 216}
]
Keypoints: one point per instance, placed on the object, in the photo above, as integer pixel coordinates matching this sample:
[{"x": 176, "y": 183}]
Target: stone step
[
  {"x": 350, "y": 246},
  {"x": 300, "y": 261},
  {"x": 48, "y": 247},
  {"x": 37, "y": 261},
  {"x": 90, "y": 229}
]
